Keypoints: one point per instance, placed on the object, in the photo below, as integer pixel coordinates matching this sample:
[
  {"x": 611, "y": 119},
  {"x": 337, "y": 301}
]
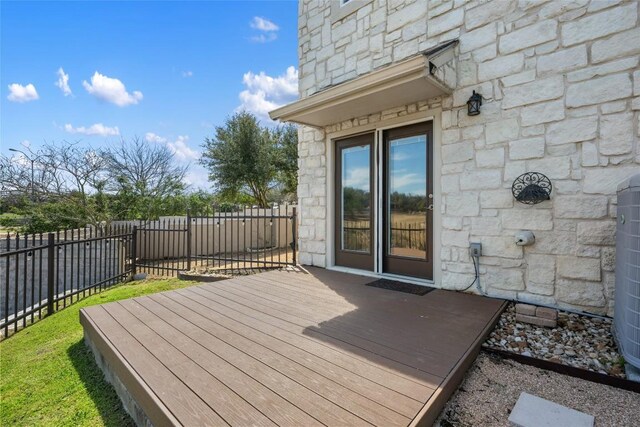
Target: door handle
[{"x": 430, "y": 207}]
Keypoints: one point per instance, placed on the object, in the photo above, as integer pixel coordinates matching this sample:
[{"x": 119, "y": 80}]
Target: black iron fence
[
  {"x": 41, "y": 274},
  {"x": 231, "y": 239},
  {"x": 356, "y": 235},
  {"x": 409, "y": 235}
]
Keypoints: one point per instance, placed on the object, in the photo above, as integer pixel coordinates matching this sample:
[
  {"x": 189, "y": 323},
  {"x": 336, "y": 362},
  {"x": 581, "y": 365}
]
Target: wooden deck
[{"x": 290, "y": 348}]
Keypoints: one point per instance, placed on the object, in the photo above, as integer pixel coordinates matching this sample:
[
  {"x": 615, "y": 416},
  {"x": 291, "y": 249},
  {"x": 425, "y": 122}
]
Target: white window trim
[
  {"x": 434, "y": 116},
  {"x": 341, "y": 9}
]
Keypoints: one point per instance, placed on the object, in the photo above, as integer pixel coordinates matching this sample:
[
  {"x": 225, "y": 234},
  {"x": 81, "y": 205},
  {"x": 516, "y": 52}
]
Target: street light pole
[{"x": 32, "y": 160}]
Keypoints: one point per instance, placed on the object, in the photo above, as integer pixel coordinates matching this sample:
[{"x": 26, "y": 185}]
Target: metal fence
[
  {"x": 233, "y": 239},
  {"x": 409, "y": 235},
  {"x": 43, "y": 273},
  {"x": 356, "y": 235}
]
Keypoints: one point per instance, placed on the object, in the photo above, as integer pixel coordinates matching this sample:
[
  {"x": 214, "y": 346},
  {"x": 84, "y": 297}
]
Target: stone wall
[{"x": 561, "y": 86}]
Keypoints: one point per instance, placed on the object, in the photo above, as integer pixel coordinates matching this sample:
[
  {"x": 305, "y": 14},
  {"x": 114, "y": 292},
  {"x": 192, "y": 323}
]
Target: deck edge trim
[
  {"x": 148, "y": 402},
  {"x": 431, "y": 409}
]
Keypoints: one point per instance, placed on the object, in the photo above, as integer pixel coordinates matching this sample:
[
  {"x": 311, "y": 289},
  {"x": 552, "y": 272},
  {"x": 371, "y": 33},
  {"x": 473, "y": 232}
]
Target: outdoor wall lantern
[{"x": 474, "y": 103}]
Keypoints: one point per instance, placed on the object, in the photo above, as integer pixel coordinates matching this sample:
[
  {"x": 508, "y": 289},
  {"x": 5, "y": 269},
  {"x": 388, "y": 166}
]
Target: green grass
[
  {"x": 49, "y": 377},
  {"x": 10, "y": 222}
]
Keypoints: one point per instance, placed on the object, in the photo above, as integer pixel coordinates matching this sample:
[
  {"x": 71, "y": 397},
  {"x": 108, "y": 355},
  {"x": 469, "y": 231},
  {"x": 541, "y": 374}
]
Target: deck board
[
  {"x": 262, "y": 398},
  {"x": 291, "y": 348},
  {"x": 310, "y": 370},
  {"x": 356, "y": 393},
  {"x": 266, "y": 366},
  {"x": 428, "y": 360},
  {"x": 182, "y": 402},
  {"x": 218, "y": 395},
  {"x": 272, "y": 295},
  {"x": 295, "y": 343}
]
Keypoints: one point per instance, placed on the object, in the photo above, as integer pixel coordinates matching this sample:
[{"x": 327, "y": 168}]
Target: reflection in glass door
[
  {"x": 356, "y": 199},
  {"x": 354, "y": 202},
  {"x": 407, "y": 194},
  {"x": 407, "y": 201}
]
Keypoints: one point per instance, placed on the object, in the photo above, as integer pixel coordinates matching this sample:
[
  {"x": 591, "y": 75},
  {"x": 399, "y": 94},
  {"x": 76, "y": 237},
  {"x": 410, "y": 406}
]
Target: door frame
[
  {"x": 365, "y": 261},
  {"x": 434, "y": 115},
  {"x": 403, "y": 262}
]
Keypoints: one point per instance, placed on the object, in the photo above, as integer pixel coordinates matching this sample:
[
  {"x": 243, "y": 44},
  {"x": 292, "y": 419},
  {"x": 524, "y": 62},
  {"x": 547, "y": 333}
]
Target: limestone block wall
[{"x": 561, "y": 88}]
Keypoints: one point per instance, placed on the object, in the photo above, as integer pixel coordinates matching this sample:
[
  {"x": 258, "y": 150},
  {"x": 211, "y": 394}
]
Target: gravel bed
[
  {"x": 580, "y": 341},
  {"x": 492, "y": 386},
  {"x": 212, "y": 272}
]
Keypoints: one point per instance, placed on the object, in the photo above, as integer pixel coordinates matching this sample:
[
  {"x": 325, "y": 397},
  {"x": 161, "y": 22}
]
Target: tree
[
  {"x": 67, "y": 185},
  {"x": 286, "y": 139},
  {"x": 143, "y": 175},
  {"x": 356, "y": 203},
  {"x": 61, "y": 181},
  {"x": 245, "y": 158}
]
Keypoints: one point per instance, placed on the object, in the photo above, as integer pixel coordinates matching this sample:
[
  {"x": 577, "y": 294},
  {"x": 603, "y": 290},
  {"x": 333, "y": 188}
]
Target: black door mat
[{"x": 394, "y": 285}]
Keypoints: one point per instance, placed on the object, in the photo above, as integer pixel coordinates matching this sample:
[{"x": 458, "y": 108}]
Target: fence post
[
  {"x": 134, "y": 249},
  {"x": 293, "y": 234},
  {"x": 188, "y": 231},
  {"x": 51, "y": 265}
]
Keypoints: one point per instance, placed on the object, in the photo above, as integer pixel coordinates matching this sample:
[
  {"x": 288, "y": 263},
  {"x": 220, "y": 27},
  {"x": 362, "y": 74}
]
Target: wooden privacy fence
[{"x": 40, "y": 274}]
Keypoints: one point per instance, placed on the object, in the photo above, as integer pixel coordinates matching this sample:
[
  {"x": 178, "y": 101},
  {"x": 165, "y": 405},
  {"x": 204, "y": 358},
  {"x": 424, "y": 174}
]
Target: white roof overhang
[{"x": 422, "y": 77}]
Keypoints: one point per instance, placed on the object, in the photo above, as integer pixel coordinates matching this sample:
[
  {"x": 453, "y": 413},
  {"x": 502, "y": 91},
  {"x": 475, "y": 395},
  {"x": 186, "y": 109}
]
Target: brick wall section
[
  {"x": 561, "y": 84},
  {"x": 539, "y": 316}
]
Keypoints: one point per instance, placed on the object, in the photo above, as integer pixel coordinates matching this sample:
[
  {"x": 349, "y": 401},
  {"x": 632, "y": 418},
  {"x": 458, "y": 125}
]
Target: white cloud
[
  {"x": 63, "y": 82},
  {"x": 20, "y": 159},
  {"x": 264, "y": 38},
  {"x": 410, "y": 183},
  {"x": 95, "y": 129},
  {"x": 268, "y": 28},
  {"x": 358, "y": 178},
  {"x": 181, "y": 150},
  {"x": 179, "y": 147},
  {"x": 111, "y": 90},
  {"x": 19, "y": 93},
  {"x": 187, "y": 74},
  {"x": 399, "y": 156},
  {"x": 263, "y": 24},
  {"x": 197, "y": 177},
  {"x": 264, "y": 93},
  {"x": 152, "y": 137}
]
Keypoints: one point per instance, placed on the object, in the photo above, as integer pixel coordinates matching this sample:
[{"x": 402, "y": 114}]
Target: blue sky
[
  {"x": 169, "y": 72},
  {"x": 408, "y": 167}
]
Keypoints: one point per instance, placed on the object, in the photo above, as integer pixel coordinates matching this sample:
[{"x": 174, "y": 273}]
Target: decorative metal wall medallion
[{"x": 531, "y": 188}]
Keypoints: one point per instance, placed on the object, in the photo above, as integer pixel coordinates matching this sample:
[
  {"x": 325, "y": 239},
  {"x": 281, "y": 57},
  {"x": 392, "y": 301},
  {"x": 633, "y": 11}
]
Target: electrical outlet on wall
[{"x": 475, "y": 249}]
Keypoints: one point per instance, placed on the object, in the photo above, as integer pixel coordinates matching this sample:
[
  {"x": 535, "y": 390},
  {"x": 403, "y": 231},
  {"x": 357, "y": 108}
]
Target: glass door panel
[
  {"x": 407, "y": 197},
  {"x": 356, "y": 198},
  {"x": 354, "y": 202},
  {"x": 407, "y": 201}
]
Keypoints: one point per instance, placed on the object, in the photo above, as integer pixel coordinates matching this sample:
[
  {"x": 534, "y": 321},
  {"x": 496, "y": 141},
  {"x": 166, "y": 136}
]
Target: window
[{"x": 342, "y": 8}]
